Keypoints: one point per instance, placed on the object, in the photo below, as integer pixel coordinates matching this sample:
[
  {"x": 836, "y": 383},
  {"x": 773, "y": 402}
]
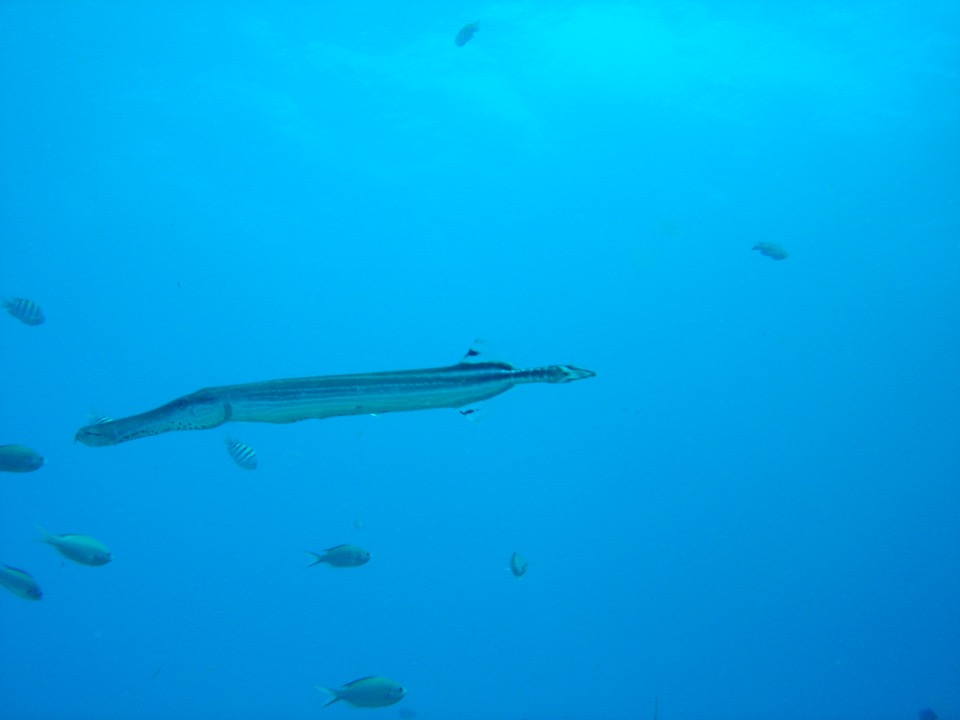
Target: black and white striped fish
[
  {"x": 242, "y": 454},
  {"x": 466, "y": 33},
  {"x": 26, "y": 311}
]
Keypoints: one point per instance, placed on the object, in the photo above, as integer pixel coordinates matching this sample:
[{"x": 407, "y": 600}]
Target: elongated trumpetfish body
[{"x": 284, "y": 401}]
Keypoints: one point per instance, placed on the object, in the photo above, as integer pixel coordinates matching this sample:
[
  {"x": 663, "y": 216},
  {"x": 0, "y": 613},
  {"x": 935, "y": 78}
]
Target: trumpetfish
[{"x": 284, "y": 401}]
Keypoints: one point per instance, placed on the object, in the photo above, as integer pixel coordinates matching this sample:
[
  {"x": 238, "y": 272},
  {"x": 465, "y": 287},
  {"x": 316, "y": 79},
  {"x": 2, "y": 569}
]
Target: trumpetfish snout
[{"x": 572, "y": 372}]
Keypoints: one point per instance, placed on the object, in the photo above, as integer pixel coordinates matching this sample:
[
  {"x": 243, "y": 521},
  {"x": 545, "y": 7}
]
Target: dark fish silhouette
[
  {"x": 26, "y": 311},
  {"x": 19, "y": 582},
  {"x": 518, "y": 565},
  {"x": 17, "y": 458},
  {"x": 927, "y": 714},
  {"x": 341, "y": 556},
  {"x": 771, "y": 250},
  {"x": 466, "y": 33},
  {"x": 366, "y": 692}
]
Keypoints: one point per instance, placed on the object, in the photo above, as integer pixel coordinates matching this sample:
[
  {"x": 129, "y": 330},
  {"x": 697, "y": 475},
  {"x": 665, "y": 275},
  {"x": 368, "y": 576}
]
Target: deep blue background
[{"x": 751, "y": 512}]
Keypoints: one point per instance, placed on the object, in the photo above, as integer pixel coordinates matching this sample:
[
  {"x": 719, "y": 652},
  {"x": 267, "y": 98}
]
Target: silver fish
[
  {"x": 19, "y": 582},
  {"x": 465, "y": 33},
  {"x": 283, "y": 401},
  {"x": 367, "y": 692},
  {"x": 17, "y": 458},
  {"x": 518, "y": 564},
  {"x": 26, "y": 311},
  {"x": 341, "y": 556},
  {"x": 82, "y": 549},
  {"x": 242, "y": 454}
]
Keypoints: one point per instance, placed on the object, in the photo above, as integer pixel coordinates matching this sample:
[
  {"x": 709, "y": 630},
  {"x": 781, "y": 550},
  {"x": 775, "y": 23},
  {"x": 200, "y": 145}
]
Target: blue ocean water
[{"x": 752, "y": 511}]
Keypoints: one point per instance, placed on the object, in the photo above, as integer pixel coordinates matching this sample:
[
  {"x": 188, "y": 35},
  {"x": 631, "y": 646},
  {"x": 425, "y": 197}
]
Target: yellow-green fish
[
  {"x": 26, "y": 311},
  {"x": 465, "y": 33},
  {"x": 518, "y": 564},
  {"x": 20, "y": 583},
  {"x": 242, "y": 454},
  {"x": 341, "y": 556},
  {"x": 79, "y": 548},
  {"x": 367, "y": 692},
  {"x": 771, "y": 250},
  {"x": 17, "y": 458}
]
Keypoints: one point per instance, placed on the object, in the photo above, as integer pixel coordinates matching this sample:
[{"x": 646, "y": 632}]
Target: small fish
[
  {"x": 17, "y": 458},
  {"x": 771, "y": 250},
  {"x": 79, "y": 548},
  {"x": 242, "y": 454},
  {"x": 367, "y": 692},
  {"x": 341, "y": 556},
  {"x": 466, "y": 33},
  {"x": 518, "y": 564},
  {"x": 26, "y": 311},
  {"x": 20, "y": 583}
]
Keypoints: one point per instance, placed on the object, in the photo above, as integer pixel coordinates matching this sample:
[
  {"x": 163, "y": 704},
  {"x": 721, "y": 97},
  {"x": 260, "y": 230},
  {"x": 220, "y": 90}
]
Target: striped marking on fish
[
  {"x": 26, "y": 311},
  {"x": 242, "y": 454}
]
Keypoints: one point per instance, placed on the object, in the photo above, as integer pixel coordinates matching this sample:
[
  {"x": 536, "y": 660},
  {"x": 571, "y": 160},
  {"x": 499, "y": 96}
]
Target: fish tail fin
[
  {"x": 332, "y": 695},
  {"x": 317, "y": 559}
]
